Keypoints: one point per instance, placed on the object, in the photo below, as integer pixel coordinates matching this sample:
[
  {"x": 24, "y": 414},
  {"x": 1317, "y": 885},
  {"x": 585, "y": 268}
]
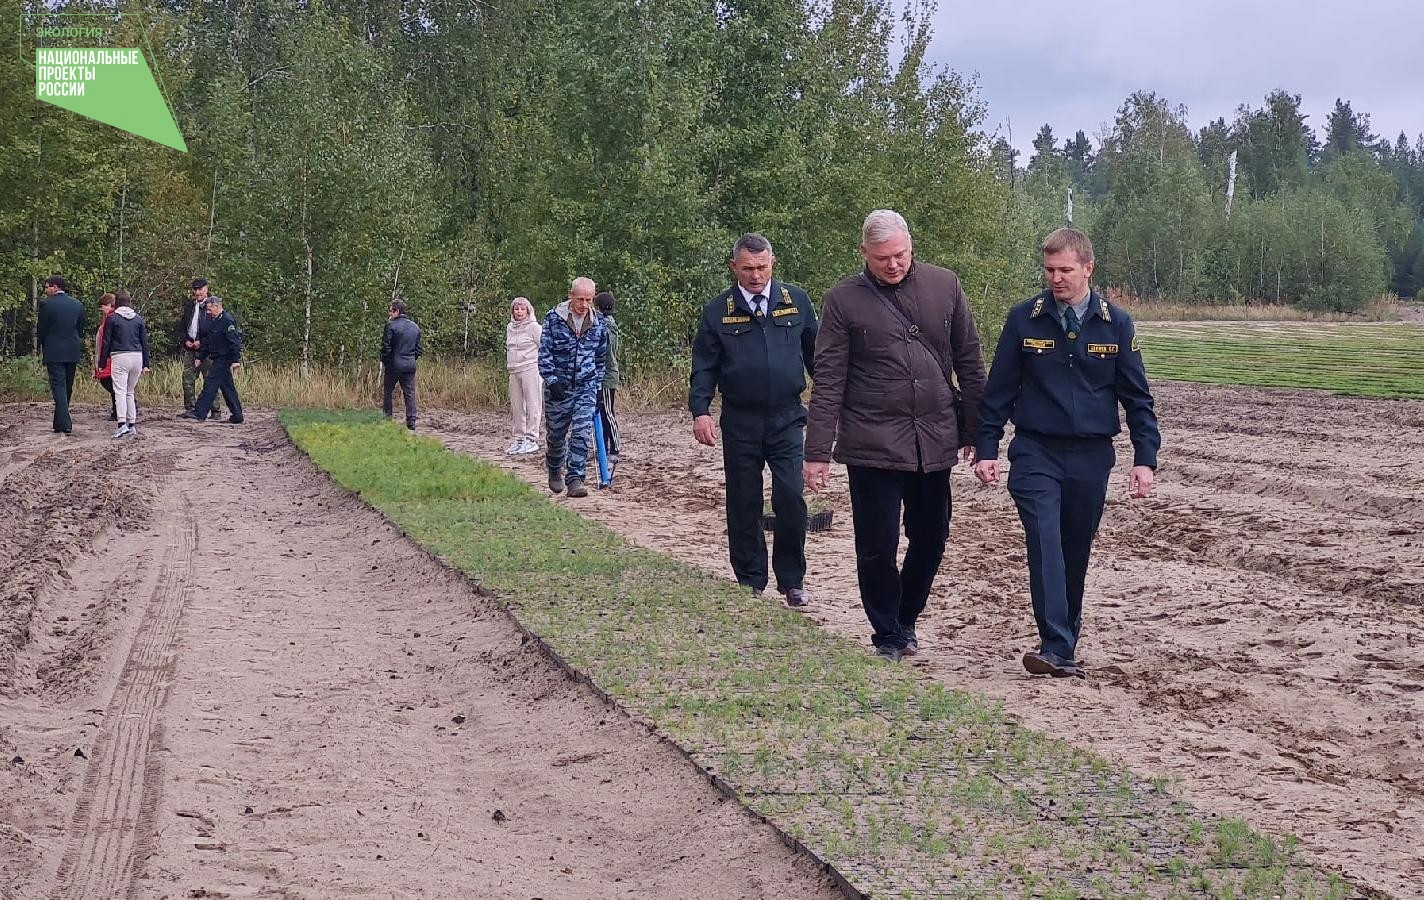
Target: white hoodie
[{"x": 521, "y": 339}]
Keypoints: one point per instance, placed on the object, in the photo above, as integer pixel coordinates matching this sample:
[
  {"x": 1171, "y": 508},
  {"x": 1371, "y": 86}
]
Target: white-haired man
[
  {"x": 573, "y": 351},
  {"x": 898, "y": 380}
]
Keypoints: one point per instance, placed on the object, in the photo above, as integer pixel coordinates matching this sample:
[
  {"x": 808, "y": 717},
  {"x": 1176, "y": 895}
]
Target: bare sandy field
[
  {"x": 222, "y": 677},
  {"x": 1253, "y": 631}
]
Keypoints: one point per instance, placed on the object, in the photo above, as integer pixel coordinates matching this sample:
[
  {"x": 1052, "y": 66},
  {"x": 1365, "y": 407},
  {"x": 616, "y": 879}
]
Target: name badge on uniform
[
  {"x": 1103, "y": 349},
  {"x": 736, "y": 320},
  {"x": 788, "y": 311},
  {"x": 1039, "y": 345}
]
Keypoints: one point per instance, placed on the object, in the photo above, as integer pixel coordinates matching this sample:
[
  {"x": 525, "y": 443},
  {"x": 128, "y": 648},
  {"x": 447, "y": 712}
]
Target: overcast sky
[{"x": 1072, "y": 64}]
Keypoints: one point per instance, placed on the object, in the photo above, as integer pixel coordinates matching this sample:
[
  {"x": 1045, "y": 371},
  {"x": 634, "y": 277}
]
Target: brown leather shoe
[{"x": 576, "y": 488}]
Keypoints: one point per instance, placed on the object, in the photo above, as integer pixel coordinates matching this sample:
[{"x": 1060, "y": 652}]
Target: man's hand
[
  {"x": 234, "y": 367},
  {"x": 198, "y": 363},
  {"x": 966, "y": 453},
  {"x": 1139, "y": 482},
  {"x": 188, "y": 345},
  {"x": 815, "y": 475},
  {"x": 704, "y": 430},
  {"x": 987, "y": 471},
  {"x": 147, "y": 369}
]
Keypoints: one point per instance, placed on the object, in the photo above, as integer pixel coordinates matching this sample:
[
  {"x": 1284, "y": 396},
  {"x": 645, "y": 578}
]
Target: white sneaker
[
  {"x": 528, "y": 446},
  {"x": 122, "y": 431},
  {"x": 514, "y": 447}
]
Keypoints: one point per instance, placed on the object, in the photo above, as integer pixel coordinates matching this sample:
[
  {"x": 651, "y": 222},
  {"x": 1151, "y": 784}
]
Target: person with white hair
[
  {"x": 898, "y": 380},
  {"x": 526, "y": 392},
  {"x": 573, "y": 353}
]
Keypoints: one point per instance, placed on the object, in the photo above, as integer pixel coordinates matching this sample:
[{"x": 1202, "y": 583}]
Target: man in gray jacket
[
  {"x": 400, "y": 348},
  {"x": 60, "y": 334}
]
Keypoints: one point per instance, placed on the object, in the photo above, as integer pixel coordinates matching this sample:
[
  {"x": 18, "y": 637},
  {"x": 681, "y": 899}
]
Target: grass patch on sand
[
  {"x": 1374, "y": 360},
  {"x": 907, "y": 788}
]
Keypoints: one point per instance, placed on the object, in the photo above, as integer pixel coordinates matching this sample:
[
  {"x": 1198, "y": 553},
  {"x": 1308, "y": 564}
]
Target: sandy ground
[
  {"x": 1252, "y": 631},
  {"x": 222, "y": 677}
]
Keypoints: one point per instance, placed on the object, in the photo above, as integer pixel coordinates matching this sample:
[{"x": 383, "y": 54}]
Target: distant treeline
[{"x": 460, "y": 153}]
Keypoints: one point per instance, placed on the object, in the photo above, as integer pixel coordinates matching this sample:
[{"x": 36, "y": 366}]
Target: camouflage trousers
[{"x": 570, "y": 423}]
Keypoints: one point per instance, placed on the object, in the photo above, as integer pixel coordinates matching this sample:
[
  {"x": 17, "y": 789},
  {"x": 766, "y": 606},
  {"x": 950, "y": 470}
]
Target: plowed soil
[
  {"x": 220, "y": 676},
  {"x": 1252, "y": 631}
]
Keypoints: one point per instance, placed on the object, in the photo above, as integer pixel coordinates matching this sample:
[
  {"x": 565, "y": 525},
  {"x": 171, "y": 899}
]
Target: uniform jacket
[
  {"x": 400, "y": 345},
  {"x": 124, "y": 332},
  {"x": 755, "y": 364},
  {"x": 576, "y": 360},
  {"x": 881, "y": 395},
  {"x": 222, "y": 342},
  {"x": 1054, "y": 386},
  {"x": 60, "y": 329}
]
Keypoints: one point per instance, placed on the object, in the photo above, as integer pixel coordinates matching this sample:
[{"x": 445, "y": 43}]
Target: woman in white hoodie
[{"x": 526, "y": 389}]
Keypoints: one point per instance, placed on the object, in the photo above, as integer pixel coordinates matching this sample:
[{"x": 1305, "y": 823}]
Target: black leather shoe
[
  {"x": 556, "y": 483},
  {"x": 1045, "y": 663},
  {"x": 190, "y": 415},
  {"x": 892, "y": 654},
  {"x": 912, "y": 643},
  {"x": 796, "y": 597},
  {"x": 232, "y": 421}
]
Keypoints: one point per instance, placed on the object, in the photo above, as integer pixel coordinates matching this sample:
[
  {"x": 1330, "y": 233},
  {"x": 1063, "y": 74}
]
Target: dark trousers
[
  {"x": 406, "y": 380},
  {"x": 1059, "y": 486},
  {"x": 219, "y": 378},
  {"x": 880, "y": 501},
  {"x": 751, "y": 440},
  {"x": 190, "y": 379},
  {"x": 108, "y": 384},
  {"x": 61, "y": 388}
]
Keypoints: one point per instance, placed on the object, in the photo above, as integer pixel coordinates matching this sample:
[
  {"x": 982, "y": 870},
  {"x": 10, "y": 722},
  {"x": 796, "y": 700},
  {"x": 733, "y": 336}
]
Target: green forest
[{"x": 457, "y": 153}]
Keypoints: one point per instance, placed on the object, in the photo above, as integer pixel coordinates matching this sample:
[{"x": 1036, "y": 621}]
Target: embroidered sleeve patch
[
  {"x": 735, "y": 320},
  {"x": 1038, "y": 343},
  {"x": 1102, "y": 348},
  {"x": 1136, "y": 347}
]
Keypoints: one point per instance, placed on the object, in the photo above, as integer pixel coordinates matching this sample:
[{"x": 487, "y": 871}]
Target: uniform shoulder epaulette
[
  {"x": 731, "y": 302},
  {"x": 786, "y": 297},
  {"x": 1104, "y": 310},
  {"x": 1037, "y": 307}
]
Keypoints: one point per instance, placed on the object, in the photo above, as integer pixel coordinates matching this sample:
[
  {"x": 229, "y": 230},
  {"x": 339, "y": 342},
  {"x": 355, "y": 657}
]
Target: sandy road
[
  {"x": 1253, "y": 631},
  {"x": 220, "y": 676}
]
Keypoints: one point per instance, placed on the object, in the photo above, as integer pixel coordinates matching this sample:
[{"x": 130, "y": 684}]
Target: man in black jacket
[
  {"x": 222, "y": 349},
  {"x": 755, "y": 343},
  {"x": 60, "y": 332},
  {"x": 400, "y": 348}
]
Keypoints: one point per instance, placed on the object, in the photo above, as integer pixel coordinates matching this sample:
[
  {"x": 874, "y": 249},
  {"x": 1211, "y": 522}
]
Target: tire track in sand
[{"x": 114, "y": 817}]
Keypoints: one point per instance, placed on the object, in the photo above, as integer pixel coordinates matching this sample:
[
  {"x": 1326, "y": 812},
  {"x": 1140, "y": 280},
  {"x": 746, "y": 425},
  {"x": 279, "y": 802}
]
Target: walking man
[
  {"x": 59, "y": 331},
  {"x": 1066, "y": 360},
  {"x": 191, "y": 325},
  {"x": 573, "y": 352},
  {"x": 400, "y": 348},
  {"x": 222, "y": 353},
  {"x": 897, "y": 367},
  {"x": 755, "y": 343}
]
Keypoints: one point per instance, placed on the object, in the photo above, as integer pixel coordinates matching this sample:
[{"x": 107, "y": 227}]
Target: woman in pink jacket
[{"x": 526, "y": 389}]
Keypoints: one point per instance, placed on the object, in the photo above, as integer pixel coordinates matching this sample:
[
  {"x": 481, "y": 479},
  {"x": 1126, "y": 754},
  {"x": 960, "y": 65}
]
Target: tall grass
[{"x": 442, "y": 383}]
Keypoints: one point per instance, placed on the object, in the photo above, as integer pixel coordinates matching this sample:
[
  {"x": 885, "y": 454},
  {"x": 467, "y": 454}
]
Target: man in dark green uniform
[
  {"x": 755, "y": 343},
  {"x": 60, "y": 334},
  {"x": 1066, "y": 360}
]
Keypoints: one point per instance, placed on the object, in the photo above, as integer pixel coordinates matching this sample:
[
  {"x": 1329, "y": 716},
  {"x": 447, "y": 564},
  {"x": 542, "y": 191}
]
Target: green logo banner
[{"x": 113, "y": 85}]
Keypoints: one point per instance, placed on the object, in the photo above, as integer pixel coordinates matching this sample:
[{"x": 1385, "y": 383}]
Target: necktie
[
  {"x": 1070, "y": 323},
  {"x": 759, "y": 306}
]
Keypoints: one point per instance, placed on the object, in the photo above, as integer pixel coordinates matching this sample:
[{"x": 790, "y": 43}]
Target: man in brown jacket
[{"x": 891, "y": 339}]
